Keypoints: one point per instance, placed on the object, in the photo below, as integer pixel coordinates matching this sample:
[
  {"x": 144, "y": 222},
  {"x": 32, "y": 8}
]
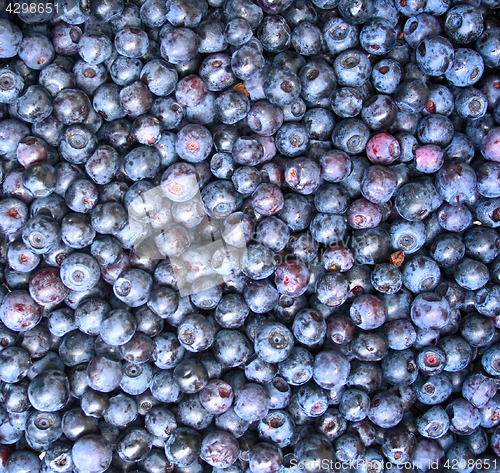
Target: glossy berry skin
[
  {"x": 251, "y": 402},
  {"x": 352, "y": 68},
  {"x": 277, "y": 427},
  {"x": 306, "y": 38},
  {"x": 264, "y": 118},
  {"x": 471, "y": 103},
  {"x": 46, "y": 287},
  {"x": 219, "y": 449},
  {"x": 486, "y": 46},
  {"x": 465, "y": 417},
  {"x": 296, "y": 370},
  {"x": 49, "y": 391},
  {"x": 281, "y": 87},
  {"x": 136, "y": 99},
  {"x": 104, "y": 374},
  {"x": 238, "y": 234},
  {"x": 429, "y": 158},
  {"x": 36, "y": 51},
  {"x": 303, "y": 176},
  {"x": 196, "y": 333},
  {"x": 131, "y": 42},
  {"x": 21, "y": 460},
  {"x": 20, "y": 258},
  {"x": 273, "y": 342},
  {"x": 435, "y": 55},
  {"x": 231, "y": 348},
  {"x": 338, "y": 258},
  {"x": 383, "y": 148},
  {"x": 367, "y": 312},
  {"x": 400, "y": 334},
  {"x": 267, "y": 199},
  {"x": 456, "y": 182},
  {"x": 258, "y": 262},
  {"x": 217, "y": 396},
  {"x": 434, "y": 423},
  {"x": 335, "y": 166},
  {"x": 489, "y": 146},
  {"x": 421, "y": 274},
  {"x": 331, "y": 198},
  {"x": 485, "y": 300},
  {"x": 94, "y": 47},
  {"x": 377, "y": 36},
  {"x": 292, "y": 139},
  {"x": 463, "y": 24},
  {"x": 118, "y": 327},
  {"x": 458, "y": 353},
  {"x": 411, "y": 96},
  {"x": 487, "y": 212},
  {"x": 340, "y": 35},
  {"x": 378, "y": 184},
  {"x": 461, "y": 76},
  {"x": 346, "y": 102},
  {"x": 440, "y": 101},
  {"x": 471, "y": 274},
  {"x": 332, "y": 289},
  {"x": 34, "y": 105},
  {"x": 386, "y": 76},
  {"x": 16, "y": 363},
  {"x": 330, "y": 369},
  {"x": 265, "y": 457},
  {"x": 482, "y": 244},
  {"x": 379, "y": 112},
  {"x": 292, "y": 278},
  {"x": 160, "y": 422},
  {"x": 19, "y": 312},
  {"x": 179, "y": 182},
  {"x": 385, "y": 410},
  {"x": 231, "y": 107},
  {"x": 12, "y": 38},
  {"x": 71, "y": 106},
  {"x": 370, "y": 246},
  {"x": 447, "y": 250},
  {"x": 273, "y": 233},
  {"x": 430, "y": 311},
  {"x": 101, "y": 459},
  {"x": 79, "y": 272},
  {"x": 435, "y": 129},
  {"x": 387, "y": 278},
  {"x": 237, "y": 32},
  {"x": 364, "y": 214},
  {"x": 419, "y": 27},
  {"x": 478, "y": 390},
  {"x": 309, "y": 327},
  {"x": 260, "y": 296},
  {"x": 489, "y": 360},
  {"x": 453, "y": 218},
  {"x": 312, "y": 400}
]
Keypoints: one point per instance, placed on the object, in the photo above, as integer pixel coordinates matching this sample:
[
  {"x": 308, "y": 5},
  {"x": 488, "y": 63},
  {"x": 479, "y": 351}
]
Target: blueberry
[
  {"x": 35, "y": 49},
  {"x": 219, "y": 449},
  {"x": 11, "y": 38},
  {"x": 351, "y": 136},
  {"x": 486, "y": 46},
  {"x": 101, "y": 457},
  {"x": 352, "y": 68},
  {"x": 22, "y": 460},
  {"x": 466, "y": 69},
  {"x": 377, "y": 36},
  {"x": 435, "y": 56},
  {"x": 95, "y": 47}
]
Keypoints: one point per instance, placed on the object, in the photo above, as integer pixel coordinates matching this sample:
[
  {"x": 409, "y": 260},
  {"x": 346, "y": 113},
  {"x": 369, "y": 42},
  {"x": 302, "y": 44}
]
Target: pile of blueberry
[{"x": 250, "y": 236}]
